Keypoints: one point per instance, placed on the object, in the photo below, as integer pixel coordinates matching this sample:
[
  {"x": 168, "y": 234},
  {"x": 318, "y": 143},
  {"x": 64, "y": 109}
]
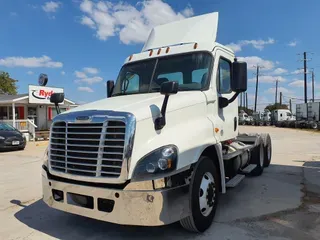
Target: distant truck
[
  {"x": 165, "y": 143},
  {"x": 308, "y": 115}
]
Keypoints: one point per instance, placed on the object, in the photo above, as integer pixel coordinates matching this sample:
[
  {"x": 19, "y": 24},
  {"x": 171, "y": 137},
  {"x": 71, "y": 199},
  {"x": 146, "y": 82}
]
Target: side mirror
[
  {"x": 239, "y": 77},
  {"x": 57, "y": 98},
  {"x": 169, "y": 88},
  {"x": 110, "y": 86}
]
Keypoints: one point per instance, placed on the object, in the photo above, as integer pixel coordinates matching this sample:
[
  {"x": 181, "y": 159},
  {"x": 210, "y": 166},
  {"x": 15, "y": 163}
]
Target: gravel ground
[{"x": 282, "y": 204}]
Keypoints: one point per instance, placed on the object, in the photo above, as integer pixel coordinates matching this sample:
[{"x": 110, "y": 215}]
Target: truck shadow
[
  {"x": 67, "y": 226},
  {"x": 278, "y": 189}
]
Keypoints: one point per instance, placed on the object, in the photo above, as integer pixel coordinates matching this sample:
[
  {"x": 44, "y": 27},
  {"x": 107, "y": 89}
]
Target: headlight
[
  {"x": 2, "y": 138},
  {"x": 157, "y": 164},
  {"x": 45, "y": 157}
]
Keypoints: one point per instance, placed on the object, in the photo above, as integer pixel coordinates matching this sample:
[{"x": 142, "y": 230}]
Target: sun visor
[{"x": 201, "y": 28}]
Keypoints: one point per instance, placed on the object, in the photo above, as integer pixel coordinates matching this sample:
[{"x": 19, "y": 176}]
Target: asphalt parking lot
[{"x": 282, "y": 204}]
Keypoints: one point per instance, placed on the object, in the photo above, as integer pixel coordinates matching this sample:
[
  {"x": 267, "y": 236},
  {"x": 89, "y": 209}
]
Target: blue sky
[{"x": 82, "y": 44}]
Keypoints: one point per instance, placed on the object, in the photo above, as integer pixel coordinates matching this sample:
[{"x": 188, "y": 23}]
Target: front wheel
[{"x": 203, "y": 196}]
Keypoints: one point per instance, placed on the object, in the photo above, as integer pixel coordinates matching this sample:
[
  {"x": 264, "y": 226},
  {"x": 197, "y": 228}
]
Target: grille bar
[{"x": 88, "y": 149}]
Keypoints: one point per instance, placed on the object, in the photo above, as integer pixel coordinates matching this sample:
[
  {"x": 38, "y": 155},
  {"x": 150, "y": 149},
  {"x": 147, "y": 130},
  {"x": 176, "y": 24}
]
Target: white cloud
[
  {"x": 29, "y": 72},
  {"x": 13, "y": 14},
  {"x": 297, "y": 83},
  {"x": 280, "y": 89},
  {"x": 235, "y": 47},
  {"x": 268, "y": 79},
  {"x": 91, "y": 70},
  {"x": 88, "y": 21},
  {"x": 85, "y": 89},
  {"x": 32, "y": 62},
  {"x": 80, "y": 74},
  {"x": 279, "y": 71},
  {"x": 89, "y": 80},
  {"x": 188, "y": 11},
  {"x": 51, "y": 6},
  {"x": 253, "y": 61},
  {"x": 63, "y": 73},
  {"x": 83, "y": 77},
  {"x": 258, "y": 44},
  {"x": 131, "y": 23},
  {"x": 33, "y": 6},
  {"x": 299, "y": 71},
  {"x": 293, "y": 43}
]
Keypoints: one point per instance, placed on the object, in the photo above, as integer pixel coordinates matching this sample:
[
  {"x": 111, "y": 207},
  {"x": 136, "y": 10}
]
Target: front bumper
[
  {"x": 131, "y": 207},
  {"x": 9, "y": 146}
]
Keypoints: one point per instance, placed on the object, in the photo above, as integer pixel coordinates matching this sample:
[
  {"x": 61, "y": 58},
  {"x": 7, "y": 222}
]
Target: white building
[{"x": 31, "y": 112}]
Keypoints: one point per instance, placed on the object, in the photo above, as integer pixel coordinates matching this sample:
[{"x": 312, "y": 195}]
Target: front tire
[{"x": 203, "y": 196}]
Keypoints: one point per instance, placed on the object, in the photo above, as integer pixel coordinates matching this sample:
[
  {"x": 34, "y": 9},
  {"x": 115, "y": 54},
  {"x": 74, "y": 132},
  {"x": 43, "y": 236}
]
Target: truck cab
[{"x": 165, "y": 143}]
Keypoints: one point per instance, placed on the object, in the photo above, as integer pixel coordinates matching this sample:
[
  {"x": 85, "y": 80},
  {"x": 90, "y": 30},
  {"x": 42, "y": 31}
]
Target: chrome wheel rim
[{"x": 207, "y": 194}]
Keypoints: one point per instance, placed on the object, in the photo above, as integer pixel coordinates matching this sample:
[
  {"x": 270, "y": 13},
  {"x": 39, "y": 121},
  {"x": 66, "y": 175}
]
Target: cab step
[
  {"x": 235, "y": 180},
  {"x": 249, "y": 168}
]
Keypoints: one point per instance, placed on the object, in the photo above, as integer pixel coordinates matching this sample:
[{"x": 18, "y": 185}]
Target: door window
[{"x": 224, "y": 76}]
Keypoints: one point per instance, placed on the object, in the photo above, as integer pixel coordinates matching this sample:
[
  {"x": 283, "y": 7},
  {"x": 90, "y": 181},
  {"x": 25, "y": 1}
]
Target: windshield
[
  {"x": 6, "y": 127},
  {"x": 189, "y": 70}
]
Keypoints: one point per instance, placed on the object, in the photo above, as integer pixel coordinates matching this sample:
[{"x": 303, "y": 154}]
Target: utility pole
[
  {"x": 312, "y": 85},
  {"x": 256, "y": 96},
  {"x": 280, "y": 98},
  {"x": 246, "y": 100},
  {"x": 290, "y": 103},
  {"x": 276, "y": 97},
  {"x": 305, "y": 77}
]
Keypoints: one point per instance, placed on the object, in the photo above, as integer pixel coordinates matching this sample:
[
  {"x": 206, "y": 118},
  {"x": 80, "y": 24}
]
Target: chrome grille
[{"x": 88, "y": 149}]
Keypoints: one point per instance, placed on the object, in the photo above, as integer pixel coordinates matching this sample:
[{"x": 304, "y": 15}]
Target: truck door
[{"x": 228, "y": 115}]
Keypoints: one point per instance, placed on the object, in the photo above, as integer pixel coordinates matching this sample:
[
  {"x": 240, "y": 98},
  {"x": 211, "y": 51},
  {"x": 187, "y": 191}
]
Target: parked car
[{"x": 11, "y": 138}]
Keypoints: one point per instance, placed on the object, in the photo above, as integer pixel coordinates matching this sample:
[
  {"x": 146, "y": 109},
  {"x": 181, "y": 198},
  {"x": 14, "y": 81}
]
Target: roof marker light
[
  {"x": 168, "y": 49},
  {"x": 151, "y": 51},
  {"x": 159, "y": 51},
  {"x": 130, "y": 57},
  {"x": 195, "y": 46}
]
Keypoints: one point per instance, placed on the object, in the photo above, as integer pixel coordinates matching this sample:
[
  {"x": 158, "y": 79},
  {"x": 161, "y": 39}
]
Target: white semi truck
[{"x": 165, "y": 143}]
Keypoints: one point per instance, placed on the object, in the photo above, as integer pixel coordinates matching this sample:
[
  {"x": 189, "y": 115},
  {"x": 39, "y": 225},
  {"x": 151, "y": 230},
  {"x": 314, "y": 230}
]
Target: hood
[
  {"x": 144, "y": 106},
  {"x": 12, "y": 133}
]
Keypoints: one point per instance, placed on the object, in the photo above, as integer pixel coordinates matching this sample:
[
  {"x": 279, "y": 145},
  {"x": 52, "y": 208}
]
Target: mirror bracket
[
  {"x": 224, "y": 102},
  {"x": 167, "y": 89}
]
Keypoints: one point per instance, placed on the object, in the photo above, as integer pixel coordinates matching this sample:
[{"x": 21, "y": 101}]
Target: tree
[
  {"x": 7, "y": 84},
  {"x": 272, "y": 107},
  {"x": 247, "y": 110}
]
